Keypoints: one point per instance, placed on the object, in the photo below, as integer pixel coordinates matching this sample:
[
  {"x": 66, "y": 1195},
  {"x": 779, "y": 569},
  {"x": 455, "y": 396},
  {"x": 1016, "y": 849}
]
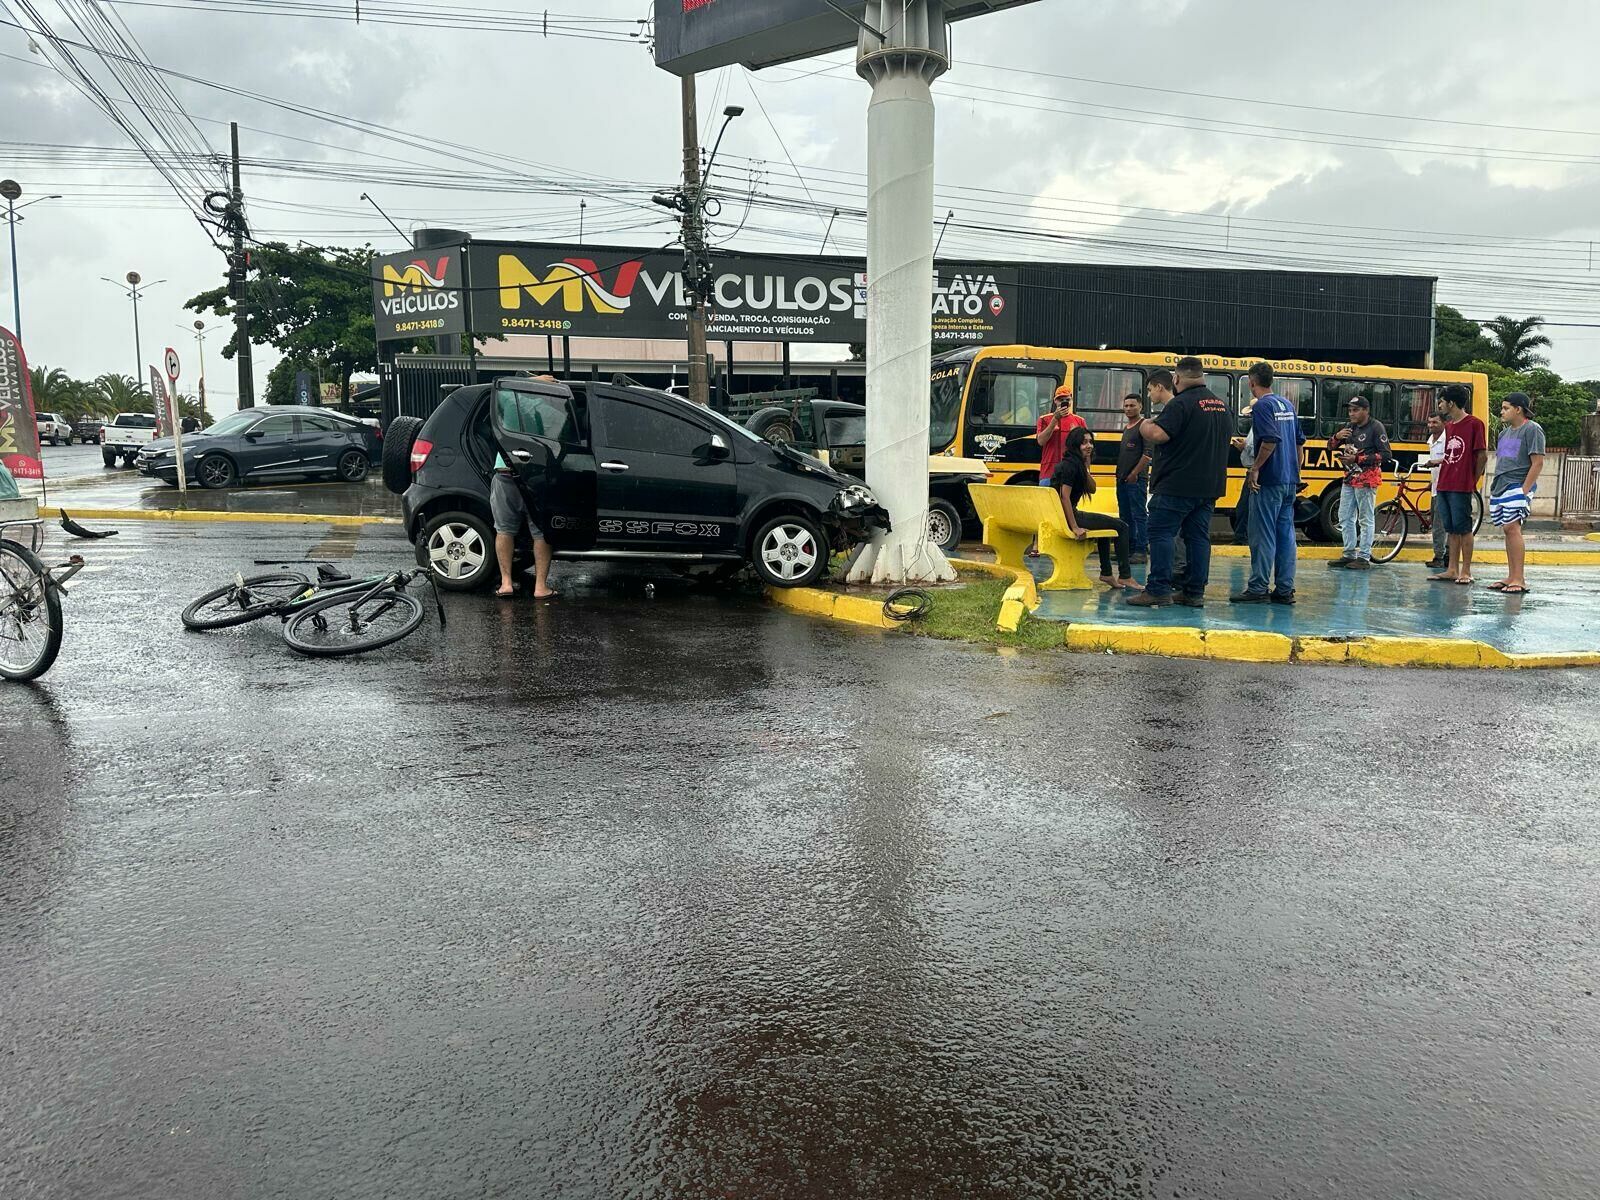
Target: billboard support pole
[{"x": 901, "y": 67}]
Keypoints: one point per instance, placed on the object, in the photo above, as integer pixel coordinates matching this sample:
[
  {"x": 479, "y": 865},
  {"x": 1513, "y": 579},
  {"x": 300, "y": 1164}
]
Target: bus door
[{"x": 1006, "y": 398}]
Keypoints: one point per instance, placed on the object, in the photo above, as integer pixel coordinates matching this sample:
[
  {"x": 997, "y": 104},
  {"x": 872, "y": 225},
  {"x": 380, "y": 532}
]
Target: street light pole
[
  {"x": 135, "y": 287},
  {"x": 11, "y": 190}
]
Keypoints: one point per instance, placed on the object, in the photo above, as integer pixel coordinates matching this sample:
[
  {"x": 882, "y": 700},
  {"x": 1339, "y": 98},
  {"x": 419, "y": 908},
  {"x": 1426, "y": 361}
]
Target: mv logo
[
  {"x": 418, "y": 274},
  {"x": 576, "y": 280}
]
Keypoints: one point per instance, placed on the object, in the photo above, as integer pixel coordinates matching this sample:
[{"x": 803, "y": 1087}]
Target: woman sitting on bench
[{"x": 1074, "y": 481}]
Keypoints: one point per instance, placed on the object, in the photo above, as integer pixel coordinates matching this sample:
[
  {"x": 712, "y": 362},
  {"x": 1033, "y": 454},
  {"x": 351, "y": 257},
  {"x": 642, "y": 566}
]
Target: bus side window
[
  {"x": 1336, "y": 394},
  {"x": 1302, "y": 393},
  {"x": 1417, "y": 403},
  {"x": 1381, "y": 395},
  {"x": 1220, "y": 385},
  {"x": 1097, "y": 394}
]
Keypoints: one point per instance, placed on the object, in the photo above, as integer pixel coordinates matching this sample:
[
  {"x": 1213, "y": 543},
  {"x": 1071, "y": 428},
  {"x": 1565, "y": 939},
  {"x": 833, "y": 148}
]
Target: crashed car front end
[{"x": 855, "y": 516}]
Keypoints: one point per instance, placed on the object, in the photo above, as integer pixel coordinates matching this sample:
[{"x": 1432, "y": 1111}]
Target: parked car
[
  {"x": 87, "y": 429},
  {"x": 53, "y": 429},
  {"x": 836, "y": 432},
  {"x": 619, "y": 472},
  {"x": 274, "y": 442},
  {"x": 128, "y": 433}
]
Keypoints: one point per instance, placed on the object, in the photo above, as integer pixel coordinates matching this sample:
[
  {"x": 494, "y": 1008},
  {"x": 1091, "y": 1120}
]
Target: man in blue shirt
[{"x": 1273, "y": 481}]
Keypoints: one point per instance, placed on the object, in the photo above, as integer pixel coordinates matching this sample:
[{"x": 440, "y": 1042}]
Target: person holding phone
[
  {"x": 1363, "y": 447},
  {"x": 1052, "y": 429}
]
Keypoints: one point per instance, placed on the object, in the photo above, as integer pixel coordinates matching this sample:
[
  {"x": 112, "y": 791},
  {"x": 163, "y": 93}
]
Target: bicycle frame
[{"x": 53, "y": 577}]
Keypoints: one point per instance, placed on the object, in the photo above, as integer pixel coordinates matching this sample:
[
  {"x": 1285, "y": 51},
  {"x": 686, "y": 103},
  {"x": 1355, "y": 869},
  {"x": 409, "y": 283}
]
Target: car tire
[
  {"x": 458, "y": 550},
  {"x": 353, "y": 466},
  {"x": 397, "y": 442},
  {"x": 944, "y": 525},
  {"x": 130, "y": 459},
  {"x": 789, "y": 551},
  {"x": 109, "y": 457},
  {"x": 216, "y": 471}
]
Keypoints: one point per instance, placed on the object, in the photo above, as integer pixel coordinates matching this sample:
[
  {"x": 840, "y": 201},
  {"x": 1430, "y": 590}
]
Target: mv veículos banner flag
[{"x": 19, "y": 432}]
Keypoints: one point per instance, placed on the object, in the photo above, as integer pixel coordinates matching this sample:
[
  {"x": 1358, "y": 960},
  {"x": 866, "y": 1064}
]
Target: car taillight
[{"x": 419, "y": 454}]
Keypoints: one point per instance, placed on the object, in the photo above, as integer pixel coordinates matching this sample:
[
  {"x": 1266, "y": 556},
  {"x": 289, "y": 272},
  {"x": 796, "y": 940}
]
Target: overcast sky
[{"x": 1420, "y": 139}]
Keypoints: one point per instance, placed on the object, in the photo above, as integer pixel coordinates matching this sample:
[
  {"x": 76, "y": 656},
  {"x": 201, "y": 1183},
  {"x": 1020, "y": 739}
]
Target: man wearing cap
[
  {"x": 1518, "y": 460},
  {"x": 1363, "y": 448},
  {"x": 1051, "y": 431}
]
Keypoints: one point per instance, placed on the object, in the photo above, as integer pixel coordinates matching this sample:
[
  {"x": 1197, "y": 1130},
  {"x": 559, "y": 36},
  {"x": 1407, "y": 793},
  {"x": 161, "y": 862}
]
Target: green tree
[
  {"x": 309, "y": 302},
  {"x": 1456, "y": 340},
  {"x": 280, "y": 380},
  {"x": 1558, "y": 406},
  {"x": 1517, "y": 342},
  {"x": 52, "y": 389},
  {"x": 121, "y": 394}
]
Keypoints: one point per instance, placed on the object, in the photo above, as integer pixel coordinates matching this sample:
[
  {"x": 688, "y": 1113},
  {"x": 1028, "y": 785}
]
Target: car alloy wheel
[
  {"x": 456, "y": 551},
  {"x": 789, "y": 550},
  {"x": 353, "y": 466},
  {"x": 215, "y": 472}
]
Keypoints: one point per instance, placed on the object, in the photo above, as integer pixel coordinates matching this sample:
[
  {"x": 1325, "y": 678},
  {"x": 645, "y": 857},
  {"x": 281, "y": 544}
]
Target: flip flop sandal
[
  {"x": 1514, "y": 590},
  {"x": 1498, "y": 587},
  {"x": 1467, "y": 582},
  {"x": 1442, "y": 579}
]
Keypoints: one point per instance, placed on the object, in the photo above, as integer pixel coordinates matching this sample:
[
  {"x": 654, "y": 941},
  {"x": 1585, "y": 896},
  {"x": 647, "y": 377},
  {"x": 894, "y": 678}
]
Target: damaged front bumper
[{"x": 855, "y": 516}]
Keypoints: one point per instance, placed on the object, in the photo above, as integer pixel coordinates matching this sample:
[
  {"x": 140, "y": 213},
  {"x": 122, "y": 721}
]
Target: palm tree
[
  {"x": 1516, "y": 342},
  {"x": 52, "y": 388},
  {"x": 121, "y": 394}
]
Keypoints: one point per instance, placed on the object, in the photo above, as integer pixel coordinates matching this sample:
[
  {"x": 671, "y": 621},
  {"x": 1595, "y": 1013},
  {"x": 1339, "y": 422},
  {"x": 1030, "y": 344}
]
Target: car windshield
[
  {"x": 235, "y": 422},
  {"x": 733, "y": 425},
  {"x": 944, "y": 404}
]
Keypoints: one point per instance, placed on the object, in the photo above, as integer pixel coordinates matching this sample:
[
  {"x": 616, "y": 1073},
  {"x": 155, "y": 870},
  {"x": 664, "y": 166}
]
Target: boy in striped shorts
[{"x": 1518, "y": 459}]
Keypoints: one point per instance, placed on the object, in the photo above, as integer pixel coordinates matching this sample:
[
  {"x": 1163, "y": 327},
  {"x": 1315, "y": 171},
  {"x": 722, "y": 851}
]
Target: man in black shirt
[
  {"x": 1133, "y": 463},
  {"x": 1192, "y": 431}
]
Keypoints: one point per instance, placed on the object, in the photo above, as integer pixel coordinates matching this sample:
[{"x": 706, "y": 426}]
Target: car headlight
[{"x": 856, "y": 496}]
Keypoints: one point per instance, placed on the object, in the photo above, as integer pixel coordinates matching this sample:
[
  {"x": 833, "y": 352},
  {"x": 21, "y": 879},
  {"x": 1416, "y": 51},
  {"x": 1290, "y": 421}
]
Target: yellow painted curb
[
  {"x": 1013, "y": 607},
  {"x": 1137, "y": 639},
  {"x": 857, "y": 610},
  {"x": 1248, "y": 645},
  {"x": 263, "y": 518},
  {"x": 1321, "y": 650},
  {"x": 1023, "y": 578},
  {"x": 1583, "y": 658},
  {"x": 1417, "y": 652},
  {"x": 1592, "y": 537}
]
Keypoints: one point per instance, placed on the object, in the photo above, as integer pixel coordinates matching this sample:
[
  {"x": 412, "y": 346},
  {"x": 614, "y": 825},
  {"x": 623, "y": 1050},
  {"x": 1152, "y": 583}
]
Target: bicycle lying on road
[
  {"x": 329, "y": 617},
  {"x": 1392, "y": 521},
  {"x": 30, "y": 607}
]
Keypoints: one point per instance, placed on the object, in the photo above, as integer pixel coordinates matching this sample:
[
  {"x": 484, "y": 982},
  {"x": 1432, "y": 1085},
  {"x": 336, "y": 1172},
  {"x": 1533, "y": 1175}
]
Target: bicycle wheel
[
  {"x": 237, "y": 603},
  {"x": 349, "y": 624},
  {"x": 30, "y": 614},
  {"x": 1389, "y": 529},
  {"x": 1477, "y": 512}
]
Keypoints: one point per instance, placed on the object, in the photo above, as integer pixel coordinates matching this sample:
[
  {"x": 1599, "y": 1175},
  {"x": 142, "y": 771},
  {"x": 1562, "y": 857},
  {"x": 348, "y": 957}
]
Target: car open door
[
  {"x": 666, "y": 479},
  {"x": 540, "y": 433}
]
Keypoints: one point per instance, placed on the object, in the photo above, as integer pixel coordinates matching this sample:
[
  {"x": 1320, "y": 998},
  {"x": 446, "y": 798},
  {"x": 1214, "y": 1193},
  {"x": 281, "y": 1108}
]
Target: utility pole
[
  {"x": 694, "y": 247},
  {"x": 238, "y": 267},
  {"x": 200, "y": 355}
]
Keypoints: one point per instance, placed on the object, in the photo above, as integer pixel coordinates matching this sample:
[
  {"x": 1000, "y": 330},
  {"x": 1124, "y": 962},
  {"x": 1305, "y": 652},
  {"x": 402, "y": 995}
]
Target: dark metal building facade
[{"x": 1373, "y": 319}]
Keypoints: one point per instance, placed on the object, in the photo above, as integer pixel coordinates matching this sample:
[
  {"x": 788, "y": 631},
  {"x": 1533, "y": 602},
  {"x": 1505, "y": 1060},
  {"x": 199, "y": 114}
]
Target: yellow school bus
[{"x": 986, "y": 401}]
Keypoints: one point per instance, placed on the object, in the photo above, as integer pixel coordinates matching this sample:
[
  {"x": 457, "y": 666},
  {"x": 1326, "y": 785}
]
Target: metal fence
[{"x": 1578, "y": 494}]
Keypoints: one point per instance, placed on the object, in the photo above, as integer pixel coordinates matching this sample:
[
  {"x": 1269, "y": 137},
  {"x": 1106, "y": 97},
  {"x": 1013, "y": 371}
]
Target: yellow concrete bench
[{"x": 1014, "y": 515}]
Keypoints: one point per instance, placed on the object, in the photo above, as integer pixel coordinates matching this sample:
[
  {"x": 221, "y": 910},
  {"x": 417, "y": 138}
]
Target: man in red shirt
[
  {"x": 1052, "y": 430},
  {"x": 1466, "y": 451}
]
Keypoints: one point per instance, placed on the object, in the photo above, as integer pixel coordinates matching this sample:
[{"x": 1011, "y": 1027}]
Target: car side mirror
[
  {"x": 719, "y": 448},
  {"x": 252, "y": 436}
]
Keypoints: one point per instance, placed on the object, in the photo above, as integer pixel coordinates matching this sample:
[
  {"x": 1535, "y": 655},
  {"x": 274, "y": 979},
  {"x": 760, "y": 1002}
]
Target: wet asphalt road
[{"x": 689, "y": 897}]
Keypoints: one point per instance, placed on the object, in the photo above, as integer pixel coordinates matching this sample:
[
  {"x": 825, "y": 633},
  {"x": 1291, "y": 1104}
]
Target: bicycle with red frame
[{"x": 1392, "y": 522}]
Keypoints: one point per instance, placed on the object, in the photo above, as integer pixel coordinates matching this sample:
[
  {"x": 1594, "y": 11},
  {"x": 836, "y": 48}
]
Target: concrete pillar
[{"x": 901, "y": 66}]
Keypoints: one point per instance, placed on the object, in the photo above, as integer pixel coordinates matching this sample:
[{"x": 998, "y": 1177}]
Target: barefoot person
[
  {"x": 1518, "y": 460},
  {"x": 509, "y": 509},
  {"x": 1466, "y": 450}
]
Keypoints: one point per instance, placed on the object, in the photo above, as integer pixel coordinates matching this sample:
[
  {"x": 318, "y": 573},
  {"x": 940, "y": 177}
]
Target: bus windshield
[{"x": 945, "y": 404}]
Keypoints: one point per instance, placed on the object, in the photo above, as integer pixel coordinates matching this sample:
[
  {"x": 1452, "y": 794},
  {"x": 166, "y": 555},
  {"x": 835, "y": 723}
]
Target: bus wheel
[{"x": 1327, "y": 522}]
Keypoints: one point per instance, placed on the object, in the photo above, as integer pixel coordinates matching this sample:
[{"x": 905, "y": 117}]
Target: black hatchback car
[
  {"x": 617, "y": 472},
  {"x": 270, "y": 442}
]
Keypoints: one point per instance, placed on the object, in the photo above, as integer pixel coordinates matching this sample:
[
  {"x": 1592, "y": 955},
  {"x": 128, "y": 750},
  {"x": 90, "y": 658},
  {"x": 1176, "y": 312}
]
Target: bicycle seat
[{"x": 327, "y": 574}]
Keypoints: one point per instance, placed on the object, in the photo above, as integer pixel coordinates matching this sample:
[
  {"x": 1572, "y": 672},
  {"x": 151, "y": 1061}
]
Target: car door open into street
[{"x": 541, "y": 436}]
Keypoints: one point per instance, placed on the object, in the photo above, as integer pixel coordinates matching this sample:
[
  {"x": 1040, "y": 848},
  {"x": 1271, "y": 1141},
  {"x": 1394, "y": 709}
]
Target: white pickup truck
[{"x": 125, "y": 436}]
